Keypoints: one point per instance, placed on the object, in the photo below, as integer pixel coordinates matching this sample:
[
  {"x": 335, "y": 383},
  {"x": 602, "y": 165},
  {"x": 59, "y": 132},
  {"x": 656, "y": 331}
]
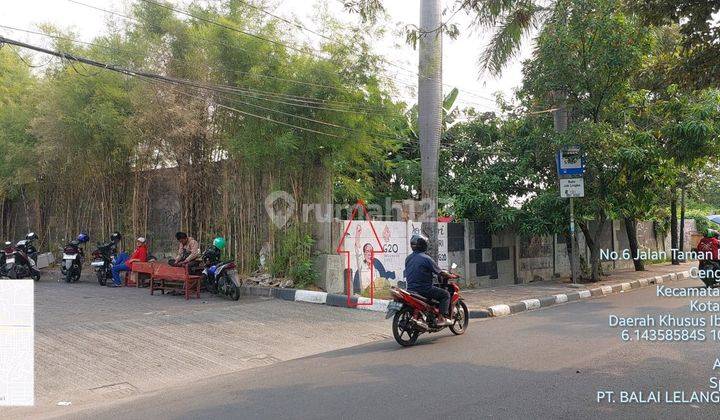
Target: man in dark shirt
[{"x": 420, "y": 271}]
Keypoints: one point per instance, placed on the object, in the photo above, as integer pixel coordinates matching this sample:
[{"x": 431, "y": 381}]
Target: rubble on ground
[{"x": 265, "y": 279}]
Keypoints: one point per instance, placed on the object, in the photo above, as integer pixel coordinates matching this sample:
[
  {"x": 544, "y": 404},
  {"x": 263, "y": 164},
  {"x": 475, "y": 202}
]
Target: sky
[{"x": 460, "y": 56}]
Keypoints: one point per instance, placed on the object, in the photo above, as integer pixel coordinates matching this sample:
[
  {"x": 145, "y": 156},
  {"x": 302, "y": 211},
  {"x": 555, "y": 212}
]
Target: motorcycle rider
[
  {"x": 709, "y": 254},
  {"x": 420, "y": 270},
  {"x": 213, "y": 254}
]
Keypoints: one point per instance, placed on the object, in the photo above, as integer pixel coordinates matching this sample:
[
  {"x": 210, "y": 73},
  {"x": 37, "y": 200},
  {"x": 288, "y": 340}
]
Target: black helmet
[
  {"x": 419, "y": 243},
  {"x": 116, "y": 236},
  {"x": 32, "y": 236}
]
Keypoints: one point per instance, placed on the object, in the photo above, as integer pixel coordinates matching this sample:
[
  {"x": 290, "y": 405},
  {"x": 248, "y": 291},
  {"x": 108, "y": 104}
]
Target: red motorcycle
[{"x": 414, "y": 314}]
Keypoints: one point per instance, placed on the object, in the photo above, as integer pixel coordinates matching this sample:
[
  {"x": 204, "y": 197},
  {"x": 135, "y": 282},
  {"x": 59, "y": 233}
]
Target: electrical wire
[
  {"x": 296, "y": 100},
  {"x": 169, "y": 80},
  {"x": 316, "y": 53},
  {"x": 141, "y": 75}
]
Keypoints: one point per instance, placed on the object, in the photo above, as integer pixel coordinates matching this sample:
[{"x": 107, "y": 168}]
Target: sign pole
[
  {"x": 570, "y": 168},
  {"x": 572, "y": 240}
]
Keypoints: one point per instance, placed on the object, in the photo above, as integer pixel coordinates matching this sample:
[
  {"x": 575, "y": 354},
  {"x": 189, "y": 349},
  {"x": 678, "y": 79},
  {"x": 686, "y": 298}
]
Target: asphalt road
[{"x": 548, "y": 363}]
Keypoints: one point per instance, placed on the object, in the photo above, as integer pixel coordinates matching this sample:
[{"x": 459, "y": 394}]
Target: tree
[
  {"x": 698, "y": 61},
  {"x": 588, "y": 50},
  {"x": 17, "y": 103},
  {"x": 246, "y": 116}
]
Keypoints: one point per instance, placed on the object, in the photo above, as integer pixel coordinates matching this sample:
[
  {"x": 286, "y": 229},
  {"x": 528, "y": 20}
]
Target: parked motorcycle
[
  {"x": 72, "y": 259},
  {"x": 32, "y": 252},
  {"x": 414, "y": 314},
  {"x": 104, "y": 258},
  {"x": 220, "y": 277},
  {"x": 20, "y": 264}
]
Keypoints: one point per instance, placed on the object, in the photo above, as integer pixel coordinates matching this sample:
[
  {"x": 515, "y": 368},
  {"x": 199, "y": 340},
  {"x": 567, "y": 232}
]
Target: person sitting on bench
[
  {"x": 140, "y": 254},
  {"x": 188, "y": 252}
]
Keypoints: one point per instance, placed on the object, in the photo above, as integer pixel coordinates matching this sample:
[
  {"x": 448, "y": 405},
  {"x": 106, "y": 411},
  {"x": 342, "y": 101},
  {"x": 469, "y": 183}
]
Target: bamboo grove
[{"x": 84, "y": 145}]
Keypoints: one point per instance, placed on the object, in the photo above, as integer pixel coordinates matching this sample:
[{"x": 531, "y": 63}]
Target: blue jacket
[{"x": 420, "y": 270}]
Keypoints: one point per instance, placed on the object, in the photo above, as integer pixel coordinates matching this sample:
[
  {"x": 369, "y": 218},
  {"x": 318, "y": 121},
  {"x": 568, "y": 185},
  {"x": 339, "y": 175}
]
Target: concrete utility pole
[
  {"x": 561, "y": 122},
  {"x": 430, "y": 110}
]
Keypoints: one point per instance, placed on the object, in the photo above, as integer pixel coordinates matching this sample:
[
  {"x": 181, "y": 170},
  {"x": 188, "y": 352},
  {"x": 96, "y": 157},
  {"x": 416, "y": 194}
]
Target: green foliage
[
  {"x": 293, "y": 258},
  {"x": 284, "y": 119},
  {"x": 17, "y": 106},
  {"x": 696, "y": 52}
]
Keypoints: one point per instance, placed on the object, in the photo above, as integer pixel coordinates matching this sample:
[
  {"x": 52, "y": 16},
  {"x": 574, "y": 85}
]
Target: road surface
[{"x": 549, "y": 363}]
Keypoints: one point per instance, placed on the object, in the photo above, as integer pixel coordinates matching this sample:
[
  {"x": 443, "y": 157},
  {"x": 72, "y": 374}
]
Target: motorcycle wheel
[
  {"x": 235, "y": 295},
  {"x": 102, "y": 279},
  {"x": 403, "y": 331},
  {"x": 230, "y": 288},
  {"x": 461, "y": 318},
  {"x": 69, "y": 276}
]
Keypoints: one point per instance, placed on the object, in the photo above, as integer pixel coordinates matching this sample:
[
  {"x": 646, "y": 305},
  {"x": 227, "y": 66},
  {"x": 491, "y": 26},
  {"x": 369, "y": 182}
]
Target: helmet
[
  {"x": 83, "y": 238},
  {"x": 219, "y": 242},
  {"x": 116, "y": 236},
  {"x": 419, "y": 243},
  {"x": 32, "y": 236},
  {"x": 711, "y": 233}
]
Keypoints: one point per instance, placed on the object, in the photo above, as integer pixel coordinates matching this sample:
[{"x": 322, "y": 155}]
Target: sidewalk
[{"x": 492, "y": 301}]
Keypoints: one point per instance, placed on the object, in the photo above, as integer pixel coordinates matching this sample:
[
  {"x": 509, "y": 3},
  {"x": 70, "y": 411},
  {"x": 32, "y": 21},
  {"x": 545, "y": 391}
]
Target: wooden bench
[
  {"x": 166, "y": 277},
  {"x": 141, "y": 274}
]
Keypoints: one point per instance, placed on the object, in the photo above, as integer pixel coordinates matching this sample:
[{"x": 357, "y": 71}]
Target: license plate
[
  {"x": 97, "y": 263},
  {"x": 392, "y": 308},
  {"x": 10, "y": 260},
  {"x": 69, "y": 256}
]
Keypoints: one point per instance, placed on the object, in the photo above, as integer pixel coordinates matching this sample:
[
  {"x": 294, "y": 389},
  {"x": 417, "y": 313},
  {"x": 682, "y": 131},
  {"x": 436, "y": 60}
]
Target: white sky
[{"x": 460, "y": 56}]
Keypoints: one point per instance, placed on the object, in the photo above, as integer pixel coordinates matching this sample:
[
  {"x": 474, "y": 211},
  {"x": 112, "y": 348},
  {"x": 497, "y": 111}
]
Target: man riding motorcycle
[
  {"x": 709, "y": 255},
  {"x": 420, "y": 271}
]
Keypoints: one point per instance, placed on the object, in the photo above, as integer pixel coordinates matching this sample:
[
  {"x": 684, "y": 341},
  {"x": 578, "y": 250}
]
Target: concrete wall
[{"x": 486, "y": 259}]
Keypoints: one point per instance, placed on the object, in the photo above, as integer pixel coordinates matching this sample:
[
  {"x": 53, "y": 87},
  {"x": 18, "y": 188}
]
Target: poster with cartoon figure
[{"x": 380, "y": 263}]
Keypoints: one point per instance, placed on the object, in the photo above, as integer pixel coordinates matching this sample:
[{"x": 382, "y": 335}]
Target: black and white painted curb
[
  {"x": 532, "y": 304},
  {"x": 380, "y": 305},
  {"x": 323, "y": 298}
]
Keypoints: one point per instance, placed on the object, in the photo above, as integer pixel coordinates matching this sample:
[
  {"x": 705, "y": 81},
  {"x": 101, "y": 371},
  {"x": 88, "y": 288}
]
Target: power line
[
  {"x": 383, "y": 59},
  {"x": 229, "y": 47},
  {"x": 350, "y": 129},
  {"x": 295, "y": 100},
  {"x": 174, "y": 81},
  {"x": 154, "y": 78},
  {"x": 280, "y": 18},
  {"x": 232, "y": 28},
  {"x": 141, "y": 75},
  {"x": 314, "y": 52}
]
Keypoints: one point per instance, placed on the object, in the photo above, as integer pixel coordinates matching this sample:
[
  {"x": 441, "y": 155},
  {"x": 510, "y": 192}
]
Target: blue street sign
[{"x": 570, "y": 161}]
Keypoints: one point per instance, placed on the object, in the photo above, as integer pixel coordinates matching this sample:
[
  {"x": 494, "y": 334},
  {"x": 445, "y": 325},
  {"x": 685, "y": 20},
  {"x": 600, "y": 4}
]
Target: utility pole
[
  {"x": 430, "y": 111},
  {"x": 561, "y": 122}
]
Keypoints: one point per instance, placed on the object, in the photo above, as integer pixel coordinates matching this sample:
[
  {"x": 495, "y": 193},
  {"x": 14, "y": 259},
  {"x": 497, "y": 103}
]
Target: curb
[
  {"x": 321, "y": 298},
  {"x": 532, "y": 304},
  {"x": 380, "y": 305}
]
